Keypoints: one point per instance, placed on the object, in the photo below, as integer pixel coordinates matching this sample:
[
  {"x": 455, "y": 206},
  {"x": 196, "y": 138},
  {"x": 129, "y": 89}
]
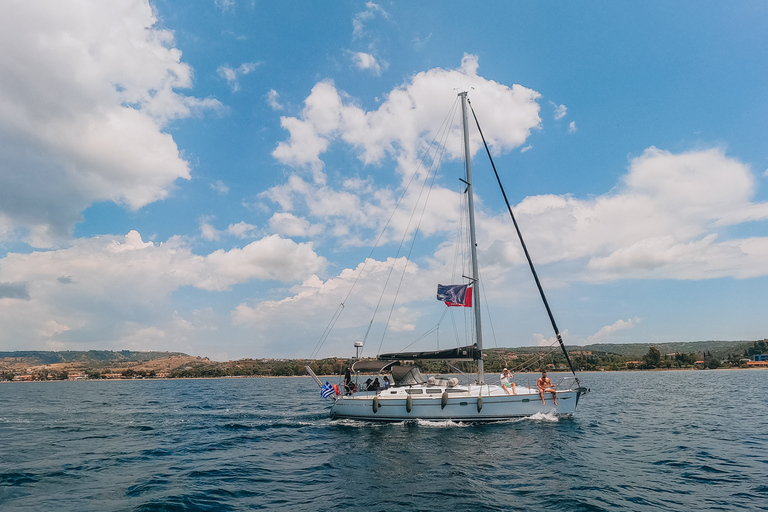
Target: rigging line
[
  {"x": 470, "y": 318},
  {"x": 435, "y": 166},
  {"x": 460, "y": 256},
  {"x": 327, "y": 330},
  {"x": 525, "y": 249},
  {"x": 462, "y": 236},
  {"x": 530, "y": 361},
  {"x": 424, "y": 335},
  {"x": 488, "y": 311},
  {"x": 438, "y": 149},
  {"x": 455, "y": 330},
  {"x": 332, "y": 322}
]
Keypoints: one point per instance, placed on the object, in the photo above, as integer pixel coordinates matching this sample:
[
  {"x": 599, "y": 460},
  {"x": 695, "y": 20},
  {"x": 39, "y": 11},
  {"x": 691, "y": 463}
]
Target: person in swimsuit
[
  {"x": 545, "y": 386},
  {"x": 506, "y": 381}
]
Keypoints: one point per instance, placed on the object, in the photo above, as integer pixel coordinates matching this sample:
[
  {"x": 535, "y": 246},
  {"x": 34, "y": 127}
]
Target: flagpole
[{"x": 473, "y": 241}]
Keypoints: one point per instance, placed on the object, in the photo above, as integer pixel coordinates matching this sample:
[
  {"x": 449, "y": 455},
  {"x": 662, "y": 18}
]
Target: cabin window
[
  {"x": 414, "y": 391},
  {"x": 434, "y": 391}
]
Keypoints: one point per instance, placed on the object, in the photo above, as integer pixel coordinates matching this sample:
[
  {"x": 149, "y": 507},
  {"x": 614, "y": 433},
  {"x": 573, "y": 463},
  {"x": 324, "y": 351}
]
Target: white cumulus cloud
[
  {"x": 106, "y": 287},
  {"x": 367, "y": 61},
  {"x": 604, "y": 334},
  {"x": 86, "y": 89},
  {"x": 371, "y": 11},
  {"x": 232, "y": 75},
  {"x": 560, "y": 110},
  {"x": 273, "y": 100}
]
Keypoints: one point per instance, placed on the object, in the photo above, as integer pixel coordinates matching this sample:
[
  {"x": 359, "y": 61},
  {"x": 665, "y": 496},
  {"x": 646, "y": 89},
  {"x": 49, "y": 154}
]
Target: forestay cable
[{"x": 525, "y": 249}]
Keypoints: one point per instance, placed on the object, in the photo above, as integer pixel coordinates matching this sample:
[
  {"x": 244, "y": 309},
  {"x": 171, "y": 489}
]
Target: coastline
[{"x": 329, "y": 377}]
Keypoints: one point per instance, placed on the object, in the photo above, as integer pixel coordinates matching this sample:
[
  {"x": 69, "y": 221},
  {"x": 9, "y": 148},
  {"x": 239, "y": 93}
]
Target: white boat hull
[{"x": 456, "y": 405}]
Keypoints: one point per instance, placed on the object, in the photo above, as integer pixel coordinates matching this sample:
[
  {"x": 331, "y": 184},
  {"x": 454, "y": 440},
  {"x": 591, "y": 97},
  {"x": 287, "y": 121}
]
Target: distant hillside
[
  {"x": 86, "y": 356},
  {"x": 717, "y": 348},
  {"x": 636, "y": 350}
]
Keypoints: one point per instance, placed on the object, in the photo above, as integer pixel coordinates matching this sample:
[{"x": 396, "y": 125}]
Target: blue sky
[{"x": 206, "y": 176}]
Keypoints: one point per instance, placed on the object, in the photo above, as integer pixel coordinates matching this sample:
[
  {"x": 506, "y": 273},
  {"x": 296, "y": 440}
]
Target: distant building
[{"x": 758, "y": 361}]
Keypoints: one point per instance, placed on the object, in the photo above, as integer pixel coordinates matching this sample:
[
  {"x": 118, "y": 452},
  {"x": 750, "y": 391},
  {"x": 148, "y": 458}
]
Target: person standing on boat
[
  {"x": 545, "y": 386},
  {"x": 506, "y": 381},
  {"x": 347, "y": 382},
  {"x": 386, "y": 382}
]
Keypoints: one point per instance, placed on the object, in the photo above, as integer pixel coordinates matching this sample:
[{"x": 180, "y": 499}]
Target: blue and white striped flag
[{"x": 326, "y": 390}]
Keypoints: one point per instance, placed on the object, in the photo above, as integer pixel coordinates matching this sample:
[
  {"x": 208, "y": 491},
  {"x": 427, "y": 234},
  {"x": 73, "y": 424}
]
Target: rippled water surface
[{"x": 683, "y": 440}]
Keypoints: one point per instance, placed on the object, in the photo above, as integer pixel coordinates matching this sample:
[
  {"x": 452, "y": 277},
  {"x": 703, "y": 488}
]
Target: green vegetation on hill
[
  {"x": 700, "y": 354},
  {"x": 70, "y": 356},
  {"x": 717, "y": 348}
]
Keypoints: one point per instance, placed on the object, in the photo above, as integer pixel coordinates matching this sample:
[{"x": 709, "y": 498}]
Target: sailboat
[{"x": 413, "y": 396}]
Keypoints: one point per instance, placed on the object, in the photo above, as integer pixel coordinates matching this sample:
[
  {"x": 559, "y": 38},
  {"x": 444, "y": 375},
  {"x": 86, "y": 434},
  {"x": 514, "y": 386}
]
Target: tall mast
[{"x": 472, "y": 240}]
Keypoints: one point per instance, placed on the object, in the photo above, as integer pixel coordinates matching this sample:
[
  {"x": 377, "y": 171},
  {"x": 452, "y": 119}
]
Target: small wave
[
  {"x": 237, "y": 426},
  {"x": 155, "y": 453},
  {"x": 16, "y": 479},
  {"x": 184, "y": 502}
]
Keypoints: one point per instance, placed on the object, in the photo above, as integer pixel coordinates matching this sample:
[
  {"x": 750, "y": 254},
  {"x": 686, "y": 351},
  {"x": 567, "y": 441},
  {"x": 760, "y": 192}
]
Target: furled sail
[{"x": 469, "y": 352}]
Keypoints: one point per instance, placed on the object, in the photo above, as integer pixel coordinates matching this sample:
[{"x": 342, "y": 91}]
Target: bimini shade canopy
[
  {"x": 371, "y": 366},
  {"x": 407, "y": 376}
]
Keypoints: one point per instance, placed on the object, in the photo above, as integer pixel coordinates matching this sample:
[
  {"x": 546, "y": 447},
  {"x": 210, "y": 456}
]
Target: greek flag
[{"x": 326, "y": 390}]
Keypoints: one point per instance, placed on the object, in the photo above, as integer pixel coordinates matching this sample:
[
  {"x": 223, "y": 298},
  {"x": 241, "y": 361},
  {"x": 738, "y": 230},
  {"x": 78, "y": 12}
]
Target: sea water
[{"x": 674, "y": 440}]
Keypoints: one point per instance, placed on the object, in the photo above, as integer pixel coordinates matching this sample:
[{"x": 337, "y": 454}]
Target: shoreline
[{"x": 340, "y": 375}]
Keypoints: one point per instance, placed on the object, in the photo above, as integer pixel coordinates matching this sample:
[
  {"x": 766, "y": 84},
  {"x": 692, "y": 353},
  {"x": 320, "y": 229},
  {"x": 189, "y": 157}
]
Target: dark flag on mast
[{"x": 455, "y": 294}]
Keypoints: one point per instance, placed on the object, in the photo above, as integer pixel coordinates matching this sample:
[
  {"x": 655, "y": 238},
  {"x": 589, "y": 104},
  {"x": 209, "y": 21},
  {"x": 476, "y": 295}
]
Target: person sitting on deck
[
  {"x": 506, "y": 381},
  {"x": 545, "y": 386},
  {"x": 386, "y": 382},
  {"x": 376, "y": 385},
  {"x": 369, "y": 385}
]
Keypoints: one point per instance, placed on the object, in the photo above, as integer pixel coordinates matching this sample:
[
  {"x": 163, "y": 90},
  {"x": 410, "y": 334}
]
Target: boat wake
[
  {"x": 347, "y": 422},
  {"x": 542, "y": 416},
  {"x": 441, "y": 423}
]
